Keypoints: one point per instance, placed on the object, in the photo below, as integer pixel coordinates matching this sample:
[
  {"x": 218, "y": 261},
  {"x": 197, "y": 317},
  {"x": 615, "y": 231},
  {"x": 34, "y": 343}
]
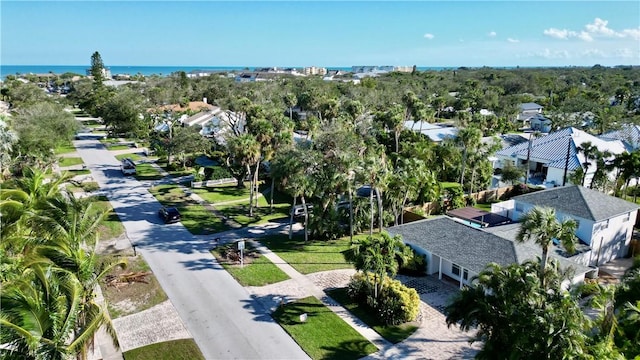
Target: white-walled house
[
  {"x": 460, "y": 252},
  {"x": 605, "y": 223},
  {"x": 551, "y": 154},
  {"x": 629, "y": 134}
]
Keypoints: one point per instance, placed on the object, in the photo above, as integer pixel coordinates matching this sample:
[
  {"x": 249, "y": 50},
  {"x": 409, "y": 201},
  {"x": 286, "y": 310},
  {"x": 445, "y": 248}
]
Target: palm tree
[
  {"x": 541, "y": 225},
  {"x": 40, "y": 312},
  {"x": 245, "y": 151},
  {"x": 513, "y": 314},
  {"x": 589, "y": 151},
  {"x": 469, "y": 139},
  {"x": 378, "y": 255},
  {"x": 290, "y": 100}
]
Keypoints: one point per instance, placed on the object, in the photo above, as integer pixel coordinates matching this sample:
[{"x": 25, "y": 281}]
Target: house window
[
  {"x": 604, "y": 225},
  {"x": 519, "y": 207},
  {"x": 455, "y": 269},
  {"x": 626, "y": 217},
  {"x": 465, "y": 274}
]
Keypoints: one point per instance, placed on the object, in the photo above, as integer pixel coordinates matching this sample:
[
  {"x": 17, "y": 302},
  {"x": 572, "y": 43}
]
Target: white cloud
[
  {"x": 428, "y": 36},
  {"x": 553, "y": 54},
  {"x": 557, "y": 33},
  {"x": 632, "y": 33},
  {"x": 513, "y": 40},
  {"x": 492, "y": 34},
  {"x": 597, "y": 29}
]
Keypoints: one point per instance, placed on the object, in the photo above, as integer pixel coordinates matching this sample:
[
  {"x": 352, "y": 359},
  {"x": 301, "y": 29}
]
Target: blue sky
[{"x": 322, "y": 33}]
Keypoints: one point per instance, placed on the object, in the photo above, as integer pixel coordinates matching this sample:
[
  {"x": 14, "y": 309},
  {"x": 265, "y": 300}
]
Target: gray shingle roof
[
  {"x": 473, "y": 248},
  {"x": 468, "y": 247},
  {"x": 579, "y": 201}
]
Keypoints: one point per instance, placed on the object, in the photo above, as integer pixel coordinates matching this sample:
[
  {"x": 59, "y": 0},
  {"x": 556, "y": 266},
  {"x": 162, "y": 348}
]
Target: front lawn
[
  {"x": 118, "y": 147},
  {"x": 65, "y": 149},
  {"x": 147, "y": 172},
  {"x": 257, "y": 269},
  {"x": 393, "y": 333},
  {"x": 132, "y": 156},
  {"x": 310, "y": 257},
  {"x": 485, "y": 207},
  {"x": 69, "y": 161},
  {"x": 195, "y": 217},
  {"x": 224, "y": 193},
  {"x": 110, "y": 227},
  {"x": 324, "y": 335},
  {"x": 183, "y": 349}
]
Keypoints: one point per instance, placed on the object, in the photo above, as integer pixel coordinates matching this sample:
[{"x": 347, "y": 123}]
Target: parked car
[
  {"x": 169, "y": 214},
  {"x": 298, "y": 210}
]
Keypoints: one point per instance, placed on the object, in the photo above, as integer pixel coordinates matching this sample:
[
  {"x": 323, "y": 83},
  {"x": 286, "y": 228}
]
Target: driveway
[{"x": 223, "y": 319}]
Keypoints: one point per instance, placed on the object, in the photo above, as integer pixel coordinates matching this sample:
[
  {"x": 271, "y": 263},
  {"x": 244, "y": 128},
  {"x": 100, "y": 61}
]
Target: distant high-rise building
[{"x": 312, "y": 70}]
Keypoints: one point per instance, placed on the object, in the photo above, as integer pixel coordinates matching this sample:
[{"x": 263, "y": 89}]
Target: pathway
[{"x": 433, "y": 339}]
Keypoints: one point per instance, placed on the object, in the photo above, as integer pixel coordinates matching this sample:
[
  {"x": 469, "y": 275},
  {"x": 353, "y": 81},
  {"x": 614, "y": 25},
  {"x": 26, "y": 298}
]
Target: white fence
[{"x": 209, "y": 183}]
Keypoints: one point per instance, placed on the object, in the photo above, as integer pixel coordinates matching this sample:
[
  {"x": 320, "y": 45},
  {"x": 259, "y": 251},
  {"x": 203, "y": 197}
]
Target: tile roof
[
  {"x": 552, "y": 149},
  {"x": 579, "y": 201}
]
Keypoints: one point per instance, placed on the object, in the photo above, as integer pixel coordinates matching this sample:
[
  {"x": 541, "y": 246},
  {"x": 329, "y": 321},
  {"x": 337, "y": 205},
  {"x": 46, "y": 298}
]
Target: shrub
[
  {"x": 360, "y": 287},
  {"x": 216, "y": 173},
  {"x": 415, "y": 265},
  {"x": 90, "y": 186},
  {"x": 395, "y": 303}
]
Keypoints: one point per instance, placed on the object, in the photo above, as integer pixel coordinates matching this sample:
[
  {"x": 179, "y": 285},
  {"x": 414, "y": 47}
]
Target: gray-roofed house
[
  {"x": 605, "y": 223},
  {"x": 460, "y": 252}
]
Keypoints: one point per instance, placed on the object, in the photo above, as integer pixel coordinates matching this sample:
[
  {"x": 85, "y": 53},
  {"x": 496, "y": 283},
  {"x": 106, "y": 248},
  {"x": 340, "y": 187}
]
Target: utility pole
[
  {"x": 566, "y": 162},
  {"x": 526, "y": 179}
]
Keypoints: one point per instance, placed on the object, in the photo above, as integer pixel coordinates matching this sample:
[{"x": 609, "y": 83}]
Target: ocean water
[{"x": 133, "y": 70}]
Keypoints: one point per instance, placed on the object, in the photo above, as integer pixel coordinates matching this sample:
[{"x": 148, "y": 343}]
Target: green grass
[
  {"x": 147, "y": 172},
  {"x": 118, "y": 147},
  {"x": 184, "y": 349},
  {"x": 109, "y": 141},
  {"x": 257, "y": 270},
  {"x": 132, "y": 156},
  {"x": 79, "y": 172},
  {"x": 324, "y": 335},
  {"x": 448, "y": 185},
  {"x": 69, "y": 161},
  {"x": 223, "y": 193},
  {"x": 110, "y": 227},
  {"x": 485, "y": 207},
  {"x": 64, "y": 149},
  {"x": 393, "y": 333},
  {"x": 311, "y": 257},
  {"x": 195, "y": 217}
]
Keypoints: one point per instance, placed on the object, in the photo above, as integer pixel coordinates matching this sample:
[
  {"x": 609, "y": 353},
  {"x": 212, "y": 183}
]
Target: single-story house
[
  {"x": 551, "y": 154},
  {"x": 435, "y": 132},
  {"x": 460, "y": 252},
  {"x": 605, "y": 223}
]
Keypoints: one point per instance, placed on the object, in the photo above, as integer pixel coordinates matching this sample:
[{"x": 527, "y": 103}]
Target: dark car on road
[{"x": 169, "y": 214}]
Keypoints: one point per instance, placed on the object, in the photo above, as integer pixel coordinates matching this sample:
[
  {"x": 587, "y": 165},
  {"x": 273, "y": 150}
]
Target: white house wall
[{"x": 611, "y": 241}]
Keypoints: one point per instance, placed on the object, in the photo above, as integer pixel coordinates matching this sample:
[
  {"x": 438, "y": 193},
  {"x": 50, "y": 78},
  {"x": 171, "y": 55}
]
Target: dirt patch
[
  {"x": 129, "y": 297},
  {"x": 230, "y": 255},
  {"x": 604, "y": 278}
]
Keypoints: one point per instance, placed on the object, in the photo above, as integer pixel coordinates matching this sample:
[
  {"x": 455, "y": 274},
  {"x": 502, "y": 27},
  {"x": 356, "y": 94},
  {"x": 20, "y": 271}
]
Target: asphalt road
[{"x": 223, "y": 319}]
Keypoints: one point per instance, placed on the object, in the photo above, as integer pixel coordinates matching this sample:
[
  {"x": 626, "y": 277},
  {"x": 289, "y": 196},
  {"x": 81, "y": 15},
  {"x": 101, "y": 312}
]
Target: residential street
[{"x": 223, "y": 319}]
